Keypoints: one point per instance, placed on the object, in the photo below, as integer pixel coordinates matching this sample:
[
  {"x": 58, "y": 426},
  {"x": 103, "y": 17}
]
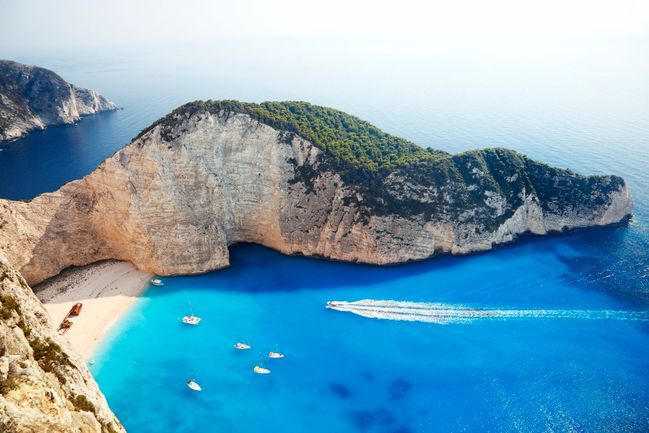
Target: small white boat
[
  {"x": 275, "y": 355},
  {"x": 191, "y": 384},
  {"x": 191, "y": 320},
  {"x": 157, "y": 282},
  {"x": 242, "y": 346},
  {"x": 261, "y": 370}
]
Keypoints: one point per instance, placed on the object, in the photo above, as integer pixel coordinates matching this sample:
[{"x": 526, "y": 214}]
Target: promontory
[
  {"x": 301, "y": 179},
  {"x": 35, "y": 98}
]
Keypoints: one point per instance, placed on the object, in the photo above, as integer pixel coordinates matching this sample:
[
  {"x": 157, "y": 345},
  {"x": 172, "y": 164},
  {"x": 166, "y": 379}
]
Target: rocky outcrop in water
[
  {"x": 34, "y": 98},
  {"x": 210, "y": 175},
  {"x": 44, "y": 384}
]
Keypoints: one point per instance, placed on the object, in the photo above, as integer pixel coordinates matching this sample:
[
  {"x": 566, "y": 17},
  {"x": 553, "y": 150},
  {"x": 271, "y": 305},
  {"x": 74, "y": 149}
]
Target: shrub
[
  {"x": 23, "y": 326},
  {"x": 8, "y": 305},
  {"x": 81, "y": 403},
  {"x": 49, "y": 355},
  {"x": 7, "y": 385}
]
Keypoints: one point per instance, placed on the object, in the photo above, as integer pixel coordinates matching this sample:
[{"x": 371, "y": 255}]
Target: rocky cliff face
[
  {"x": 174, "y": 199},
  {"x": 34, "y": 98},
  {"x": 44, "y": 385}
]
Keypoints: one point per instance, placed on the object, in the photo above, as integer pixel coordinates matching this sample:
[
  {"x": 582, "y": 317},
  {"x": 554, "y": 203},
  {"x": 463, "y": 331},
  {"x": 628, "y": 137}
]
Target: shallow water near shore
[{"x": 347, "y": 373}]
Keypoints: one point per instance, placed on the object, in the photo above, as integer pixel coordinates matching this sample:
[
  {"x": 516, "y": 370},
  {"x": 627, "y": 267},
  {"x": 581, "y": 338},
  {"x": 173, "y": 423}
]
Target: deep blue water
[{"x": 587, "y": 110}]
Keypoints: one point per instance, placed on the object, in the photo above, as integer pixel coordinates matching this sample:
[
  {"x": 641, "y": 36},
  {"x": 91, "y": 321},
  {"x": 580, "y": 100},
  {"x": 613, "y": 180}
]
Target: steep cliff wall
[
  {"x": 44, "y": 385},
  {"x": 34, "y": 98},
  {"x": 207, "y": 177}
]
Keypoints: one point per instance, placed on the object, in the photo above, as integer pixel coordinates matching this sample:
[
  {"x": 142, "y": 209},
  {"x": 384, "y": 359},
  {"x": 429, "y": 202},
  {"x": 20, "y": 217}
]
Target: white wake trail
[{"x": 448, "y": 313}]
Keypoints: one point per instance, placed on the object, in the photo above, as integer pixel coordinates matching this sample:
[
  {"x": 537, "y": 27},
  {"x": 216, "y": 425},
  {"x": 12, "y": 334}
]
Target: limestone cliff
[
  {"x": 34, "y": 98},
  {"x": 212, "y": 174},
  {"x": 44, "y": 384}
]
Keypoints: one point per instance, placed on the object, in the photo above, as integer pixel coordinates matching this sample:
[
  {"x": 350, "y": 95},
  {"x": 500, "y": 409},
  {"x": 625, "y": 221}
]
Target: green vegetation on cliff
[
  {"x": 395, "y": 176},
  {"x": 347, "y": 139}
]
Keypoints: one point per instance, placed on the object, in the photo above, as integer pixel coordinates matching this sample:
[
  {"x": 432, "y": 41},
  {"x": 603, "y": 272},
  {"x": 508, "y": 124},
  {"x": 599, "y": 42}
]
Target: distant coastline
[{"x": 33, "y": 98}]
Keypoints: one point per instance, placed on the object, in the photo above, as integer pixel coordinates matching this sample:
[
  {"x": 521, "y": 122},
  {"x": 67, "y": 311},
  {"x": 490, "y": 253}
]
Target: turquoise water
[
  {"x": 346, "y": 373},
  {"x": 587, "y": 109}
]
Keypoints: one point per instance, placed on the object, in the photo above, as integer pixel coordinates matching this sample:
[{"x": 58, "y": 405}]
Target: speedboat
[
  {"x": 191, "y": 320},
  {"x": 242, "y": 346},
  {"x": 275, "y": 355},
  {"x": 332, "y": 304},
  {"x": 193, "y": 385},
  {"x": 157, "y": 282},
  {"x": 261, "y": 370}
]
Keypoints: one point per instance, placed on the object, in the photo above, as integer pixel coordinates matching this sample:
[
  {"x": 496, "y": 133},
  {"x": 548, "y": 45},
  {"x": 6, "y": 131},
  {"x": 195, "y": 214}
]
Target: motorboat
[
  {"x": 275, "y": 355},
  {"x": 332, "y": 304},
  {"x": 242, "y": 346},
  {"x": 193, "y": 385},
  {"x": 157, "y": 282},
  {"x": 261, "y": 370}
]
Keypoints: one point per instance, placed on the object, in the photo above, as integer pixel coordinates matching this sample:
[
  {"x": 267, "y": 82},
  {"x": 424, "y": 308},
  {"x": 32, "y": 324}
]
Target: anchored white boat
[
  {"x": 275, "y": 355},
  {"x": 191, "y": 319},
  {"x": 157, "y": 282},
  {"x": 193, "y": 385},
  {"x": 261, "y": 370},
  {"x": 242, "y": 346}
]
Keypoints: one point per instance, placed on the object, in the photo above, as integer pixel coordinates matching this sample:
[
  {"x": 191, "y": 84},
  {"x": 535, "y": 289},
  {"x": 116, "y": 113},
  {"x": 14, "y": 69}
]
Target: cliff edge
[
  {"x": 44, "y": 384},
  {"x": 298, "y": 178},
  {"x": 34, "y": 98}
]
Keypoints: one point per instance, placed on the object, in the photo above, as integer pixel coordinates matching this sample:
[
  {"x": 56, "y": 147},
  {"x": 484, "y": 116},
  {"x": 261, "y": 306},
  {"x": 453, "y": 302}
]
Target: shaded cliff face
[
  {"x": 44, "y": 385},
  {"x": 34, "y": 98},
  {"x": 174, "y": 199}
]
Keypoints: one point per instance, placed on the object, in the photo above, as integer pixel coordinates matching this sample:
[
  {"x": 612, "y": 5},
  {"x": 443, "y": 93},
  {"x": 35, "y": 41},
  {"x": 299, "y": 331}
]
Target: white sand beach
[{"x": 106, "y": 290}]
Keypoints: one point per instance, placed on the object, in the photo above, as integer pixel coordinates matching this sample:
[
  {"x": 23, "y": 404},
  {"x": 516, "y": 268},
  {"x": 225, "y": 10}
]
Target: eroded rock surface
[
  {"x": 173, "y": 200},
  {"x": 44, "y": 384},
  {"x": 35, "y": 98}
]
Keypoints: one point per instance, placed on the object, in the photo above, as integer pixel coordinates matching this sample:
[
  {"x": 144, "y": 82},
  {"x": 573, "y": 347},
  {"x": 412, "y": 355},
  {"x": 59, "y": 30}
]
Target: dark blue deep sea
[{"x": 574, "y": 359}]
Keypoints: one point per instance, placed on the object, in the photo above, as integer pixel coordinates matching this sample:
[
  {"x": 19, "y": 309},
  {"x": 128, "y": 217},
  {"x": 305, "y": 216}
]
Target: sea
[{"x": 548, "y": 334}]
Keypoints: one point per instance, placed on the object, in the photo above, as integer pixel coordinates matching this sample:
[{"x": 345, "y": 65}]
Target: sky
[{"x": 46, "y": 25}]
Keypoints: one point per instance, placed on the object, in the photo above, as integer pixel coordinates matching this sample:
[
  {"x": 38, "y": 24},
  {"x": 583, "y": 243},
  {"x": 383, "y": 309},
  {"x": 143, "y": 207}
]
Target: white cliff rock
[
  {"x": 35, "y": 98},
  {"x": 44, "y": 384},
  {"x": 173, "y": 200}
]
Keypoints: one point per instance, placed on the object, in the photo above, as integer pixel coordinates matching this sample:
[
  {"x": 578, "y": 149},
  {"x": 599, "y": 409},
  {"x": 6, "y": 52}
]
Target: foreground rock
[
  {"x": 44, "y": 385},
  {"x": 213, "y": 174},
  {"x": 34, "y": 98}
]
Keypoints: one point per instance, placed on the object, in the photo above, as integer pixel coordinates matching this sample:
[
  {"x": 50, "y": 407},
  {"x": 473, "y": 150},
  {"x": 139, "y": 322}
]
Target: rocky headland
[
  {"x": 35, "y": 98},
  {"x": 301, "y": 179}
]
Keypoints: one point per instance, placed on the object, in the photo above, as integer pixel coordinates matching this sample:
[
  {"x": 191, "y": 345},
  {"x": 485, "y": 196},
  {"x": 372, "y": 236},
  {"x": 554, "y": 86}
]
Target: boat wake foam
[{"x": 448, "y": 313}]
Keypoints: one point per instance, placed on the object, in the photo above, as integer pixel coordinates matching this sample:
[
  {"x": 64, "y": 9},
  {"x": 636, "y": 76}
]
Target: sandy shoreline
[{"x": 106, "y": 290}]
